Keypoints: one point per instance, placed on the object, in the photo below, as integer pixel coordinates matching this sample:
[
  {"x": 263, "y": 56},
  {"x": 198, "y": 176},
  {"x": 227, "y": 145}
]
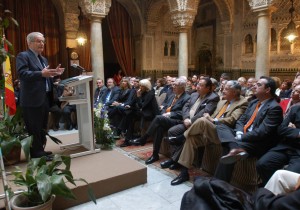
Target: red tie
[
  {"x": 222, "y": 111},
  {"x": 249, "y": 123}
]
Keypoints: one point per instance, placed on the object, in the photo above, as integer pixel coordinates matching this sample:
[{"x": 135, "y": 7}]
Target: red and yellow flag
[{"x": 10, "y": 101}]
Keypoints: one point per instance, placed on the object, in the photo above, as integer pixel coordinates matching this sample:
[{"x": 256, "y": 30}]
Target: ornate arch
[
  {"x": 135, "y": 15},
  {"x": 225, "y": 10},
  {"x": 154, "y": 11}
]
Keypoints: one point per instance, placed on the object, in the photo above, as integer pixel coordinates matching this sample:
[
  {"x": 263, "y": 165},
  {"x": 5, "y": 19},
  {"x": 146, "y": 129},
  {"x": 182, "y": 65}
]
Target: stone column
[
  {"x": 96, "y": 12},
  {"x": 263, "y": 44},
  {"x": 227, "y": 47},
  {"x": 183, "y": 54},
  {"x": 183, "y": 13}
]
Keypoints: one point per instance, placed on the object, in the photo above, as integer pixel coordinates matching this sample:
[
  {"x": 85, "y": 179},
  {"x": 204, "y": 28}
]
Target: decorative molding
[
  {"x": 183, "y": 20},
  {"x": 98, "y": 9},
  {"x": 260, "y": 4}
]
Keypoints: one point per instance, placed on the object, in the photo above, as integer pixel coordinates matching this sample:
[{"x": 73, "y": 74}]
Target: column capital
[
  {"x": 259, "y": 5},
  {"x": 183, "y": 13},
  {"x": 95, "y": 11}
]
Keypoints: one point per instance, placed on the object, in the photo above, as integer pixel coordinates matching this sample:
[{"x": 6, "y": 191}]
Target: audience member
[
  {"x": 172, "y": 115},
  {"x": 249, "y": 92},
  {"x": 111, "y": 94},
  {"x": 255, "y": 131},
  {"x": 287, "y": 152},
  {"x": 202, "y": 101},
  {"x": 285, "y": 89},
  {"x": 99, "y": 92},
  {"x": 286, "y": 104},
  {"x": 144, "y": 108},
  {"x": 203, "y": 131}
]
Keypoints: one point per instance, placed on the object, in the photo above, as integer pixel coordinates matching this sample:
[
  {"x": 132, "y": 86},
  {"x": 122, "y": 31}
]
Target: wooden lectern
[{"x": 81, "y": 98}]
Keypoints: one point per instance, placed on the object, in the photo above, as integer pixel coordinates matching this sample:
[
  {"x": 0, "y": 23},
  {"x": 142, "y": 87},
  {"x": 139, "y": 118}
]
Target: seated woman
[{"x": 144, "y": 108}]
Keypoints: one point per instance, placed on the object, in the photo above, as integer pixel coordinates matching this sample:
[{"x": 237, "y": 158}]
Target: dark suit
[
  {"x": 287, "y": 152},
  {"x": 207, "y": 105},
  {"x": 34, "y": 99},
  {"x": 114, "y": 95},
  {"x": 266, "y": 200},
  {"x": 256, "y": 142},
  {"x": 142, "y": 108},
  {"x": 99, "y": 94},
  {"x": 160, "y": 124}
]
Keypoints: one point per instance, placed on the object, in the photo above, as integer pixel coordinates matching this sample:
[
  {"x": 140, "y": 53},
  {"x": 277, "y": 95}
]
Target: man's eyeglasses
[{"x": 40, "y": 41}]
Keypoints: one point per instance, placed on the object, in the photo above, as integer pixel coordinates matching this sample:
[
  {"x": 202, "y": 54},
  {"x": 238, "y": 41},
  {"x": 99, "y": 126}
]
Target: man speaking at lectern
[{"x": 36, "y": 91}]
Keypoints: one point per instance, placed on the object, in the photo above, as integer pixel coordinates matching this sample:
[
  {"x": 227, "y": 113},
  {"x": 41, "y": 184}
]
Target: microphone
[{"x": 74, "y": 65}]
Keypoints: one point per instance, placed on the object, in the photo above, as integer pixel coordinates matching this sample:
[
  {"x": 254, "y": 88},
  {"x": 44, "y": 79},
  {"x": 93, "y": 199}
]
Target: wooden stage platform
[{"x": 107, "y": 172}]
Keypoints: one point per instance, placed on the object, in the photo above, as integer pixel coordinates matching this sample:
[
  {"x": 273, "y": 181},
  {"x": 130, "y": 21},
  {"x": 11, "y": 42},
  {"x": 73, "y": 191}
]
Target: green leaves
[{"x": 43, "y": 180}]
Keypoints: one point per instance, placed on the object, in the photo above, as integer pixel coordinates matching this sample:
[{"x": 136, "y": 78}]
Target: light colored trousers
[{"x": 282, "y": 182}]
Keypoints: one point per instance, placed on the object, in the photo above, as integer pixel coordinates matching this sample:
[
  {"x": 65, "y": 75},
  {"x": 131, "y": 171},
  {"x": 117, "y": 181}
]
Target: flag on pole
[{"x": 9, "y": 99}]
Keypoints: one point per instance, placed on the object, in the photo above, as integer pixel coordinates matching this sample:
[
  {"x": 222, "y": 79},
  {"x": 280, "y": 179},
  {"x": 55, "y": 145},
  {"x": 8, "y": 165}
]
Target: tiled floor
[{"x": 156, "y": 194}]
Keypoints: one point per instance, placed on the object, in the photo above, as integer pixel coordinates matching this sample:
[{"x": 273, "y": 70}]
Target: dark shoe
[
  {"x": 48, "y": 152},
  {"x": 174, "y": 166},
  {"x": 138, "y": 141},
  {"x": 43, "y": 154},
  {"x": 152, "y": 159},
  {"x": 167, "y": 163},
  {"x": 125, "y": 144},
  {"x": 182, "y": 177},
  {"x": 49, "y": 157},
  {"x": 175, "y": 140},
  {"x": 234, "y": 155}
]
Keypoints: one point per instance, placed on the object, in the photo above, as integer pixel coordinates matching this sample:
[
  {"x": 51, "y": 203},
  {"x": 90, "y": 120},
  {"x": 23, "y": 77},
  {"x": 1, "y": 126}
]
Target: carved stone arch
[
  {"x": 59, "y": 5},
  {"x": 135, "y": 15},
  {"x": 225, "y": 10},
  {"x": 154, "y": 11}
]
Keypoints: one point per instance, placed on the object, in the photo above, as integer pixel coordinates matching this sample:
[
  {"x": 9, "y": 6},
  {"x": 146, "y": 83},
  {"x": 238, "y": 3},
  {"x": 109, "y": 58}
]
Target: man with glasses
[
  {"x": 255, "y": 131},
  {"x": 36, "y": 91},
  {"x": 287, "y": 152}
]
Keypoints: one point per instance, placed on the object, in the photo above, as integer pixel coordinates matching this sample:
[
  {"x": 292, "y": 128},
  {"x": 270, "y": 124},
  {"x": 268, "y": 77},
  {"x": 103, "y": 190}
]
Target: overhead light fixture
[
  {"x": 291, "y": 30},
  {"x": 81, "y": 36}
]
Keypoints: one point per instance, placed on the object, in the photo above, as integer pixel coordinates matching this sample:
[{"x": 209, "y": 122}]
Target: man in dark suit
[
  {"x": 287, "y": 152},
  {"x": 255, "y": 131},
  {"x": 202, "y": 101},
  {"x": 111, "y": 94},
  {"x": 203, "y": 131},
  {"x": 99, "y": 92},
  {"x": 172, "y": 115},
  {"x": 36, "y": 91}
]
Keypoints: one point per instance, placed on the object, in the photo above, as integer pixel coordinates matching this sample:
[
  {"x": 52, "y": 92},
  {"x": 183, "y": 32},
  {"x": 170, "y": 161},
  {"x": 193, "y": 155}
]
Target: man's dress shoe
[
  {"x": 46, "y": 155},
  {"x": 175, "y": 140},
  {"x": 166, "y": 163},
  {"x": 182, "y": 177},
  {"x": 152, "y": 159},
  {"x": 234, "y": 155},
  {"x": 174, "y": 166},
  {"x": 125, "y": 144},
  {"x": 138, "y": 142}
]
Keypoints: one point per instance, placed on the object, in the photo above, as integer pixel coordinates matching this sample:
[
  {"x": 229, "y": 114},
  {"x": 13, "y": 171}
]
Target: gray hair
[
  {"x": 31, "y": 37},
  {"x": 234, "y": 84},
  {"x": 146, "y": 83},
  {"x": 181, "y": 82}
]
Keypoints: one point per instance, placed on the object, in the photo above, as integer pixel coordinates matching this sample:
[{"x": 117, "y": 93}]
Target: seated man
[
  {"x": 287, "y": 152},
  {"x": 99, "y": 91},
  {"x": 111, "y": 93},
  {"x": 202, "y": 101},
  {"x": 172, "y": 115},
  {"x": 203, "y": 130},
  {"x": 255, "y": 131}
]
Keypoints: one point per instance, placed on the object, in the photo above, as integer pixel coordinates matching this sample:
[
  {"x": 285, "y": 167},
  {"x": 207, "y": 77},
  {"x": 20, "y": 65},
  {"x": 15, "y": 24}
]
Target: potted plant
[
  {"x": 13, "y": 136},
  {"x": 43, "y": 182},
  {"x": 103, "y": 132}
]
